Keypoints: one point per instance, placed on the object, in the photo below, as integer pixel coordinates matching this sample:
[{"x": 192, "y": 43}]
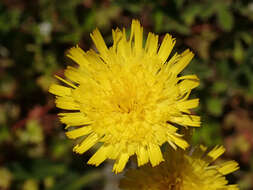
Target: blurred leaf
[
  {"x": 7, "y": 86},
  {"x": 201, "y": 43},
  {"x": 210, "y": 9},
  {"x": 47, "y": 168},
  {"x": 103, "y": 16},
  {"x": 176, "y": 26},
  {"x": 246, "y": 37},
  {"x": 201, "y": 68},
  {"x": 31, "y": 184},
  {"x": 224, "y": 70},
  {"x": 219, "y": 87},
  {"x": 4, "y": 133},
  {"x": 75, "y": 182},
  {"x": 209, "y": 134},
  {"x": 73, "y": 37},
  {"x": 6, "y": 178},
  {"x": 34, "y": 36},
  {"x": 11, "y": 16},
  {"x": 37, "y": 169},
  {"x": 214, "y": 106},
  {"x": 3, "y": 116},
  {"x": 238, "y": 51},
  {"x": 225, "y": 18},
  {"x": 19, "y": 171},
  {"x": 179, "y": 3},
  {"x": 49, "y": 182},
  {"x": 32, "y": 134},
  {"x": 158, "y": 18},
  {"x": 191, "y": 13},
  {"x": 44, "y": 82},
  {"x": 89, "y": 22},
  {"x": 60, "y": 147}
]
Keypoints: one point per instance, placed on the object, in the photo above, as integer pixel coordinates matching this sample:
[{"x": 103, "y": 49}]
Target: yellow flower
[
  {"x": 183, "y": 170},
  {"x": 127, "y": 97}
]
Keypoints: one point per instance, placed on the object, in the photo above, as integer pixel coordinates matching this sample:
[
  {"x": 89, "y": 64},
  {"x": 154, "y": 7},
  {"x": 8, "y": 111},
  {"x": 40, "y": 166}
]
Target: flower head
[
  {"x": 183, "y": 170},
  {"x": 127, "y": 97}
]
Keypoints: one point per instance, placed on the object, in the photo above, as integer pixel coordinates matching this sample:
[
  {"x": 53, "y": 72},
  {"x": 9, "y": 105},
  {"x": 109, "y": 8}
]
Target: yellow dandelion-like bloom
[
  {"x": 183, "y": 170},
  {"x": 127, "y": 97}
]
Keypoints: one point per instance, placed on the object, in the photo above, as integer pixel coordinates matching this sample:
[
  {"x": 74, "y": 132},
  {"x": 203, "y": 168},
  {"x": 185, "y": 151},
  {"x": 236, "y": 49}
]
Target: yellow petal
[
  {"x": 185, "y": 59},
  {"x": 117, "y": 35},
  {"x": 142, "y": 155},
  {"x": 179, "y": 141},
  {"x": 187, "y": 120},
  {"x": 155, "y": 154},
  {"x": 74, "y": 119},
  {"x": 90, "y": 141},
  {"x": 74, "y": 75},
  {"x": 184, "y": 106},
  {"x": 151, "y": 44},
  {"x": 121, "y": 163},
  {"x": 75, "y": 133},
  {"x": 137, "y": 33},
  {"x": 100, "y": 155},
  {"x": 216, "y": 152},
  {"x": 187, "y": 85},
  {"x": 228, "y": 167},
  {"x": 65, "y": 81},
  {"x": 59, "y": 90},
  {"x": 166, "y": 47},
  {"x": 115, "y": 151},
  {"x": 67, "y": 103},
  {"x": 190, "y": 77},
  {"x": 78, "y": 55},
  {"x": 99, "y": 42}
]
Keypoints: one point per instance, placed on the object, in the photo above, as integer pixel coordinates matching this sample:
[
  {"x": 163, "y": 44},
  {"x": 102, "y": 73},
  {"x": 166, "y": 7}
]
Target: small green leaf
[
  {"x": 209, "y": 134},
  {"x": 214, "y": 106},
  {"x": 158, "y": 17},
  {"x": 225, "y": 18},
  {"x": 219, "y": 87},
  {"x": 191, "y": 13},
  {"x": 31, "y": 184},
  {"x": 6, "y": 178},
  {"x": 238, "y": 51}
]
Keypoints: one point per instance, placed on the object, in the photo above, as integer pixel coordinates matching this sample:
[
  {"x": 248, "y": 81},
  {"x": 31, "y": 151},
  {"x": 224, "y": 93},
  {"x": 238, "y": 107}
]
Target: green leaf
[
  {"x": 209, "y": 134},
  {"x": 246, "y": 37},
  {"x": 4, "y": 131},
  {"x": 74, "y": 181},
  {"x": 225, "y": 18},
  {"x": 37, "y": 169},
  {"x": 176, "y": 26},
  {"x": 219, "y": 87},
  {"x": 158, "y": 17},
  {"x": 191, "y": 13},
  {"x": 31, "y": 184},
  {"x": 238, "y": 52},
  {"x": 179, "y": 3},
  {"x": 214, "y": 106}
]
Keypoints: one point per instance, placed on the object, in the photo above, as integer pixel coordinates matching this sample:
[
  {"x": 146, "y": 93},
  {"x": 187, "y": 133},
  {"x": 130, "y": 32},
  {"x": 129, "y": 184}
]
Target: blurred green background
[{"x": 34, "y": 36}]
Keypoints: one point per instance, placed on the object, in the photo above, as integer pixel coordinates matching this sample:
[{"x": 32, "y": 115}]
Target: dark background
[{"x": 34, "y": 36}]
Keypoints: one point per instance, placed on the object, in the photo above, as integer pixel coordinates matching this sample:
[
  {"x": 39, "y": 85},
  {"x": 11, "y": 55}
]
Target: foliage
[{"x": 34, "y": 36}]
